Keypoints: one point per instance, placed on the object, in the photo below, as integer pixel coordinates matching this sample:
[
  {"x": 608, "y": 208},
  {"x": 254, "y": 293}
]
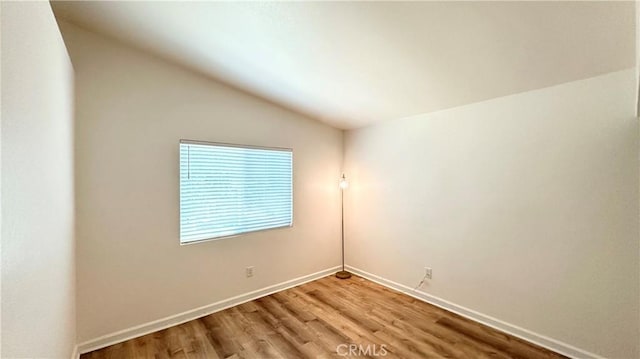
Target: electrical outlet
[
  {"x": 427, "y": 272},
  {"x": 249, "y": 271}
]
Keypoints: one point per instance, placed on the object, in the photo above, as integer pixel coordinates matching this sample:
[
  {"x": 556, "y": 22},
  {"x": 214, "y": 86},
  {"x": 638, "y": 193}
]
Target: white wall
[
  {"x": 131, "y": 111},
  {"x": 525, "y": 206},
  {"x": 38, "y": 275}
]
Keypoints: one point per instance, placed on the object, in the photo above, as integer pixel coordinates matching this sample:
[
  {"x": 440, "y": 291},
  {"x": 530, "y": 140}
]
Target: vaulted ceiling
[{"x": 352, "y": 63}]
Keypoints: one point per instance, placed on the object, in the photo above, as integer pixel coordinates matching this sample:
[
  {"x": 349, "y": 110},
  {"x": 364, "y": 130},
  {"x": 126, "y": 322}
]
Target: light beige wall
[
  {"x": 38, "y": 264},
  {"x": 131, "y": 111},
  {"x": 526, "y": 208}
]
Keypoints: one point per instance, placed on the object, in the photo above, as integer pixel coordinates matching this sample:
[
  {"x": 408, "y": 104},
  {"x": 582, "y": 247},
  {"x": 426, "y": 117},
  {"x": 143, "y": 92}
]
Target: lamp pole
[{"x": 343, "y": 274}]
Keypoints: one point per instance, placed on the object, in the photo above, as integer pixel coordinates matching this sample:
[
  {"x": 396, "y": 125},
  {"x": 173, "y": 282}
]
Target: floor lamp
[{"x": 343, "y": 274}]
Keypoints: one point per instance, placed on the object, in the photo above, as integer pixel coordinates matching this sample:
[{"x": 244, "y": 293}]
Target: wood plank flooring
[{"x": 328, "y": 318}]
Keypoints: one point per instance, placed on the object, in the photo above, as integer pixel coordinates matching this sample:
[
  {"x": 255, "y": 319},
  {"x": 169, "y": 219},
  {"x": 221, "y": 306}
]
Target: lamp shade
[{"x": 343, "y": 182}]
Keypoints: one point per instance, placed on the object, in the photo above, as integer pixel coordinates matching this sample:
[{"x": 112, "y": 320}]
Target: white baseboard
[
  {"x": 75, "y": 354},
  {"x": 150, "y": 327},
  {"x": 535, "y": 338}
]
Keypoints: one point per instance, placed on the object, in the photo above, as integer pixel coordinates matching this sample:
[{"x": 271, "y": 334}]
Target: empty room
[{"x": 298, "y": 179}]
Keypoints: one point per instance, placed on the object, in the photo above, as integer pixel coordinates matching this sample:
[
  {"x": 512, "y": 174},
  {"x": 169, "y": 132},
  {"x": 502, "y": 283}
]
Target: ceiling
[{"x": 353, "y": 63}]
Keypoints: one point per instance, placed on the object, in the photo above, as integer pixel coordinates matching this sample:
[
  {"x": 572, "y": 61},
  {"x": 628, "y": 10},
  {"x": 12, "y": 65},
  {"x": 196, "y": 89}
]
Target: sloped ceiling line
[{"x": 350, "y": 64}]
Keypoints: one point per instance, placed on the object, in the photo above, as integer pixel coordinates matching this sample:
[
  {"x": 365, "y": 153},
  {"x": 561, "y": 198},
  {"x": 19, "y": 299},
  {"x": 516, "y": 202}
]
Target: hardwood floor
[{"x": 328, "y": 318}]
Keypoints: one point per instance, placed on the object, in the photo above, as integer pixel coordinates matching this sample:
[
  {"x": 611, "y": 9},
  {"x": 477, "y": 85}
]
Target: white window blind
[{"x": 227, "y": 190}]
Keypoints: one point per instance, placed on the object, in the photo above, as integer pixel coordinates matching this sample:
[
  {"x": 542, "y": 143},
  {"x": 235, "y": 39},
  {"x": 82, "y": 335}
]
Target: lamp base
[{"x": 343, "y": 274}]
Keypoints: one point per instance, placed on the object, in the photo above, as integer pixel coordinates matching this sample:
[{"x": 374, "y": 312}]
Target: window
[{"x": 226, "y": 190}]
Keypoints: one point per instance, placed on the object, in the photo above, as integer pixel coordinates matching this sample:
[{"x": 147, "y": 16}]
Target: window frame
[{"x": 233, "y": 145}]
